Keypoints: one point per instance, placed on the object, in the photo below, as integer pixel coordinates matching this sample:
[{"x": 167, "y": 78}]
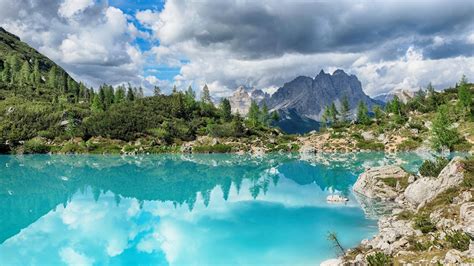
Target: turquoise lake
[{"x": 181, "y": 209}]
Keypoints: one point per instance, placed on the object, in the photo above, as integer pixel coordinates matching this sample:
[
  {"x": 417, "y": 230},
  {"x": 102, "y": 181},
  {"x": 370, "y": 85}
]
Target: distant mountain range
[
  {"x": 403, "y": 95},
  {"x": 301, "y": 102}
]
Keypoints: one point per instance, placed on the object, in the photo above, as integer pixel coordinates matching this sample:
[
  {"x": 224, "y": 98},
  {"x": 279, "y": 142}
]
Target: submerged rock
[{"x": 426, "y": 189}]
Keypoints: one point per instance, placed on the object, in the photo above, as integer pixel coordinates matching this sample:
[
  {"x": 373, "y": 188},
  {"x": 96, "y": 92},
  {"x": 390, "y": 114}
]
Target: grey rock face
[
  {"x": 425, "y": 189},
  {"x": 308, "y": 97},
  {"x": 242, "y": 98},
  {"x": 240, "y": 101},
  {"x": 371, "y": 183}
]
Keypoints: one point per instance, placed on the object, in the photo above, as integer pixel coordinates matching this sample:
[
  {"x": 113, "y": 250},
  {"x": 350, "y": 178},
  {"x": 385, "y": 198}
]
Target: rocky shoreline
[{"x": 431, "y": 219}]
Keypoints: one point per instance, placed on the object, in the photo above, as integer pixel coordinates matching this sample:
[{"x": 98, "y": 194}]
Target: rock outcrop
[
  {"x": 380, "y": 182},
  {"x": 425, "y": 189},
  {"x": 414, "y": 232}
]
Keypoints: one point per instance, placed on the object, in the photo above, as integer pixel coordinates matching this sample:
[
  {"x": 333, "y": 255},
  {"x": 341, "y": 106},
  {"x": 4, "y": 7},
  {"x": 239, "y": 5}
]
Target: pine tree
[
  {"x": 378, "y": 113},
  {"x": 206, "y": 95},
  {"x": 25, "y": 74},
  {"x": 96, "y": 104},
  {"x": 36, "y": 74},
  {"x": 326, "y": 117},
  {"x": 362, "y": 114},
  {"x": 237, "y": 125},
  {"x": 7, "y": 72},
  {"x": 14, "y": 69},
  {"x": 274, "y": 116},
  {"x": 53, "y": 77},
  {"x": 254, "y": 114},
  {"x": 226, "y": 109},
  {"x": 175, "y": 90},
  {"x": 156, "y": 91},
  {"x": 443, "y": 133},
  {"x": 334, "y": 112},
  {"x": 345, "y": 108},
  {"x": 265, "y": 115},
  {"x": 130, "y": 94},
  {"x": 190, "y": 93},
  {"x": 119, "y": 95},
  {"x": 464, "y": 95}
]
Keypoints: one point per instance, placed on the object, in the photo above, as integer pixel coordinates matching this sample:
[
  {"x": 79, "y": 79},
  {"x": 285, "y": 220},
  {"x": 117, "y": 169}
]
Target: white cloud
[
  {"x": 243, "y": 46},
  {"x": 71, "y": 7}
]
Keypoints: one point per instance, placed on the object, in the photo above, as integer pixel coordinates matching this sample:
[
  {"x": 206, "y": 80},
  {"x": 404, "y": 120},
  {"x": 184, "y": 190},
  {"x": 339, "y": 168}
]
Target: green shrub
[
  {"x": 423, "y": 223},
  {"x": 379, "y": 259},
  {"x": 73, "y": 148},
  {"x": 468, "y": 181},
  {"x": 220, "y": 130},
  {"x": 433, "y": 168},
  {"x": 370, "y": 145},
  {"x": 390, "y": 181},
  {"x": 405, "y": 215},
  {"x": 46, "y": 134},
  {"x": 217, "y": 148},
  {"x": 458, "y": 240},
  {"x": 35, "y": 145},
  {"x": 409, "y": 144},
  {"x": 416, "y": 245}
]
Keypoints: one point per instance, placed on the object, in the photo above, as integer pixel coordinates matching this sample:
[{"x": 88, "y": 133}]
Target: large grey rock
[
  {"x": 452, "y": 257},
  {"x": 371, "y": 184},
  {"x": 425, "y": 189},
  {"x": 466, "y": 212},
  {"x": 393, "y": 235}
]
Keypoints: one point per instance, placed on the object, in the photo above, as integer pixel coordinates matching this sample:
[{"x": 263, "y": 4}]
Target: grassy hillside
[{"x": 42, "y": 109}]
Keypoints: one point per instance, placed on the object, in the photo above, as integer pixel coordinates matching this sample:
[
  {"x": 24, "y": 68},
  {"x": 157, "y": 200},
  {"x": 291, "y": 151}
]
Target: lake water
[{"x": 181, "y": 209}]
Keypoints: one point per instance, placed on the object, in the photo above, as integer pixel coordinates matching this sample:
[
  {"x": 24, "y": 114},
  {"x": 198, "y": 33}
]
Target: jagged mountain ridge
[
  {"x": 309, "y": 96},
  {"x": 301, "y": 102},
  {"x": 242, "y": 98}
]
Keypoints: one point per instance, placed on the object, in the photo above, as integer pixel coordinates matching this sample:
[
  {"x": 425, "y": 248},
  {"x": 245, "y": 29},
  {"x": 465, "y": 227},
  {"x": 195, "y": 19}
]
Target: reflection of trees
[{"x": 31, "y": 186}]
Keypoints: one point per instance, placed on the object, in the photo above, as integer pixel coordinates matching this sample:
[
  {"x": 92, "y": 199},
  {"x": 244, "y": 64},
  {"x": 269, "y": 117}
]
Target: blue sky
[{"x": 387, "y": 44}]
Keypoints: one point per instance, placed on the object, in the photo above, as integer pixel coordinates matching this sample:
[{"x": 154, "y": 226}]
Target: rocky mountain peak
[{"x": 307, "y": 97}]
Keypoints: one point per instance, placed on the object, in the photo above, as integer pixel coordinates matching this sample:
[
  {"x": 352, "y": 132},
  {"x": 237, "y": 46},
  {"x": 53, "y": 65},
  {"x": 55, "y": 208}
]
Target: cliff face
[
  {"x": 309, "y": 96},
  {"x": 240, "y": 101}
]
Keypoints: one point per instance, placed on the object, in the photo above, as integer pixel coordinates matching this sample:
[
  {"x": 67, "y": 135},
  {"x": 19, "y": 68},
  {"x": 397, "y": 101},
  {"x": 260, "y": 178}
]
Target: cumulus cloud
[
  {"x": 260, "y": 44},
  {"x": 92, "y": 40},
  {"x": 265, "y": 43},
  {"x": 70, "y": 7}
]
